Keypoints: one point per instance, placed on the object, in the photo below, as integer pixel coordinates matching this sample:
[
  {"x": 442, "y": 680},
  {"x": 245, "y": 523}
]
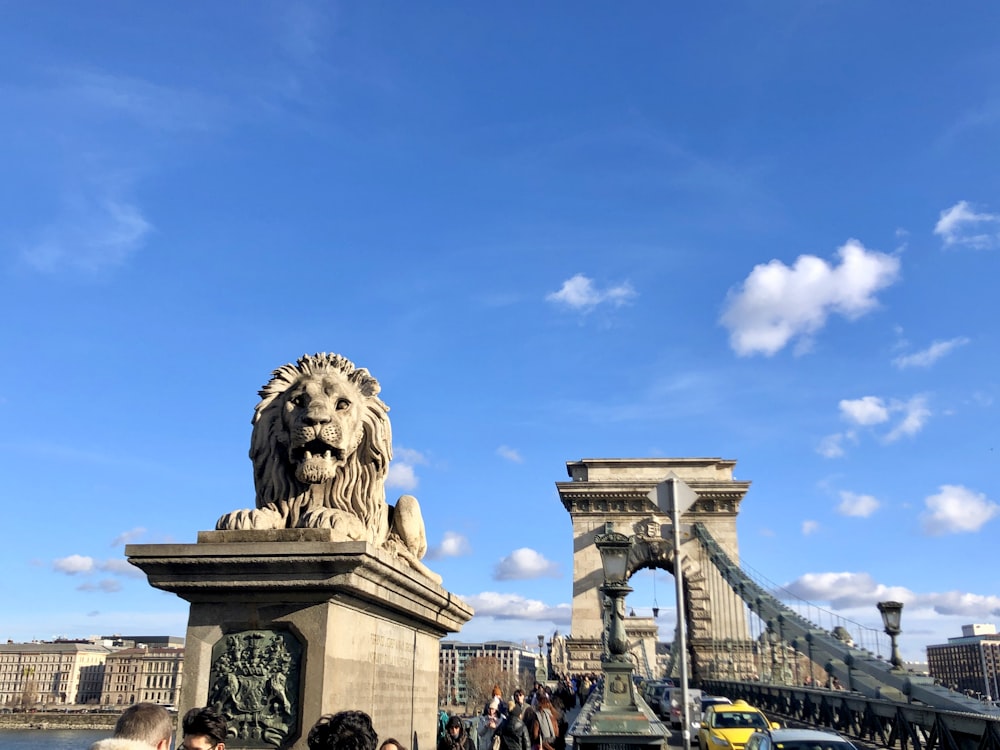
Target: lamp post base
[{"x": 619, "y": 713}]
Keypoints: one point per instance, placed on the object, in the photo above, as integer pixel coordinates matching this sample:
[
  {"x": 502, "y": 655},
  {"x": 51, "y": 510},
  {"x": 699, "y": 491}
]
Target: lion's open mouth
[{"x": 315, "y": 449}]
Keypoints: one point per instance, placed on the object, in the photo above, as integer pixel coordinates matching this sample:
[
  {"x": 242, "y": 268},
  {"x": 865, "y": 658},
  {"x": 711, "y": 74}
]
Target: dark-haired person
[
  {"x": 346, "y": 730},
  {"x": 455, "y": 736},
  {"x": 203, "y": 729},
  {"x": 391, "y": 744},
  {"x": 515, "y": 735}
]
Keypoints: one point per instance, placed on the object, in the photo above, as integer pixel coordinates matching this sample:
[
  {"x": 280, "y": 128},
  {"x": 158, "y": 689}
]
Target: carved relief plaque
[{"x": 254, "y": 683}]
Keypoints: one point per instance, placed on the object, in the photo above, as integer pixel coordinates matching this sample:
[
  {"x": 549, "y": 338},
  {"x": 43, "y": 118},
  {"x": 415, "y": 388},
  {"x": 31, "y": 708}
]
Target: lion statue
[{"x": 320, "y": 448}]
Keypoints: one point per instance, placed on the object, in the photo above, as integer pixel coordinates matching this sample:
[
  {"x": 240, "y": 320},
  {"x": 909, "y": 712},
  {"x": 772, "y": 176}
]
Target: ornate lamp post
[
  {"x": 619, "y": 713},
  {"x": 891, "y": 614},
  {"x": 541, "y": 670},
  {"x": 772, "y": 642},
  {"x": 614, "y": 549}
]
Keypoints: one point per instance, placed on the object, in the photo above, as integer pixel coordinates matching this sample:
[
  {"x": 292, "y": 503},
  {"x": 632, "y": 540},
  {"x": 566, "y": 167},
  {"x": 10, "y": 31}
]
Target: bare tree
[
  {"x": 481, "y": 674},
  {"x": 526, "y": 680}
]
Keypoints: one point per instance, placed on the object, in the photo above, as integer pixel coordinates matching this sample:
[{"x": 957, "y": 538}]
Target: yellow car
[{"x": 729, "y": 726}]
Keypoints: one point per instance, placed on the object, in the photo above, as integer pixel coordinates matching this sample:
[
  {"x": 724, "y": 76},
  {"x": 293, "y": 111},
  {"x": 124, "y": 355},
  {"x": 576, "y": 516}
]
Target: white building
[
  {"x": 151, "y": 675},
  {"x": 51, "y": 674},
  {"x": 513, "y": 658}
]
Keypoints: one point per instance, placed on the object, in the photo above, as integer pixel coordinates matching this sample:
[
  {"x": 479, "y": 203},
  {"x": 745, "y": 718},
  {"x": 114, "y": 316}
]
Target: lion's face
[{"x": 322, "y": 418}]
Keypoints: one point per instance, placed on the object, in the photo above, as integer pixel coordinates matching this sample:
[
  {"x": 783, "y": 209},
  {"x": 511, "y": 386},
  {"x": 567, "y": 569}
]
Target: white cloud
[
  {"x": 873, "y": 410},
  {"x": 845, "y": 590},
  {"x": 579, "y": 293},
  {"x": 915, "y": 414},
  {"x": 92, "y": 235},
  {"x": 121, "y": 567},
  {"x": 859, "y": 590},
  {"x": 128, "y": 536},
  {"x": 930, "y": 355},
  {"x": 956, "y": 510},
  {"x": 84, "y": 565},
  {"x": 402, "y": 470},
  {"x": 958, "y": 225},
  {"x": 105, "y": 585},
  {"x": 401, "y": 476},
  {"x": 809, "y": 527},
  {"x": 511, "y": 454},
  {"x": 859, "y": 506},
  {"x": 452, "y": 544},
  {"x": 959, "y": 603},
  {"x": 867, "y": 410},
  {"x": 525, "y": 563},
  {"x": 777, "y": 304},
  {"x": 515, "y": 606},
  {"x": 831, "y": 446},
  {"x": 74, "y": 564}
]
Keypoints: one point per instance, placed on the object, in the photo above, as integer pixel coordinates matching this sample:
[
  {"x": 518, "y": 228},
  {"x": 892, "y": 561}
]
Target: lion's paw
[
  {"x": 260, "y": 518},
  {"x": 347, "y": 525},
  {"x": 408, "y": 525}
]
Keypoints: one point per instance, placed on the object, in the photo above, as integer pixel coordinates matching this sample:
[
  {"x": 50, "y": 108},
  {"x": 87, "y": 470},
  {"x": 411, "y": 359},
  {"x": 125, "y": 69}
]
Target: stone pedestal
[
  {"x": 288, "y": 625},
  {"x": 618, "y": 713}
]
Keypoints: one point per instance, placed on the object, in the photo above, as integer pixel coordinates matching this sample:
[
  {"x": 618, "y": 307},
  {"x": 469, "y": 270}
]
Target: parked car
[
  {"x": 671, "y": 706},
  {"x": 729, "y": 726},
  {"x": 797, "y": 739}
]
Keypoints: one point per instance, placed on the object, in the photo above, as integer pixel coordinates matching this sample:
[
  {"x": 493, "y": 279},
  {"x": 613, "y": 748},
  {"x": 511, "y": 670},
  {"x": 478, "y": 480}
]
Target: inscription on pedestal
[
  {"x": 254, "y": 683},
  {"x": 390, "y": 648}
]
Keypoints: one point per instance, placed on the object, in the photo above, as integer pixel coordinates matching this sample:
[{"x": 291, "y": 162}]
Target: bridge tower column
[{"x": 615, "y": 490}]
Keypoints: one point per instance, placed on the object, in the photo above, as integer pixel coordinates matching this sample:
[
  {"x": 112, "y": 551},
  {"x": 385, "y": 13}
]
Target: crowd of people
[
  {"x": 148, "y": 725},
  {"x": 525, "y": 721}
]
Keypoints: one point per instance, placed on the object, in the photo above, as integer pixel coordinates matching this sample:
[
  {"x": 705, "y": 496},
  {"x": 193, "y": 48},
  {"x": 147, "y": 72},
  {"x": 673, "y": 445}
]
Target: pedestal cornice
[{"x": 302, "y": 565}]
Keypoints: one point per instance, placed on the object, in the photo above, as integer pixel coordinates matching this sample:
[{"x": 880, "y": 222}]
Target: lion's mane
[{"x": 358, "y": 486}]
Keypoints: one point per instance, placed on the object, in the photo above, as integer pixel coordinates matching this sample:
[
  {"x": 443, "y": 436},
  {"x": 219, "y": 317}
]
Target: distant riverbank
[{"x": 57, "y": 720}]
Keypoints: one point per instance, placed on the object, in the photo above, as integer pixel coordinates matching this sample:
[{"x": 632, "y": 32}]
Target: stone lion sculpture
[{"x": 320, "y": 448}]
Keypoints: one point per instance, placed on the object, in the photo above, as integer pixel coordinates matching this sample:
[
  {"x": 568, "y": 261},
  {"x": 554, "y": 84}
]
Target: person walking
[
  {"x": 489, "y": 724},
  {"x": 455, "y": 736}
]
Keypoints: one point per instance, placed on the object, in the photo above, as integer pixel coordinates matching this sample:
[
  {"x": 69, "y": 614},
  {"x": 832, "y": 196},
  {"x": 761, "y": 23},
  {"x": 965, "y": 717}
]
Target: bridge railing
[
  {"x": 871, "y": 720},
  {"x": 857, "y": 669}
]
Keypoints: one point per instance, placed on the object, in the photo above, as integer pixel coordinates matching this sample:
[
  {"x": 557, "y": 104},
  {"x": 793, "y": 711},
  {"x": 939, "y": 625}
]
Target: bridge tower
[{"x": 614, "y": 490}]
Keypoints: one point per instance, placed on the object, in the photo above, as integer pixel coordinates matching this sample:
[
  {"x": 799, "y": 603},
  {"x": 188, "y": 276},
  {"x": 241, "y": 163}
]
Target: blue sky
[{"x": 768, "y": 232}]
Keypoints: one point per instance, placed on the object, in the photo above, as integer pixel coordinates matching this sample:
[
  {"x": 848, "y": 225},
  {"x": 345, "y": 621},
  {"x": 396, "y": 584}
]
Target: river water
[{"x": 50, "y": 739}]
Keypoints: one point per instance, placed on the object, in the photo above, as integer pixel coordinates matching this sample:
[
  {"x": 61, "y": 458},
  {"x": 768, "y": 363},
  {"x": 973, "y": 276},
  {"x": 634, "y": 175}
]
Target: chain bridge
[{"x": 743, "y": 640}]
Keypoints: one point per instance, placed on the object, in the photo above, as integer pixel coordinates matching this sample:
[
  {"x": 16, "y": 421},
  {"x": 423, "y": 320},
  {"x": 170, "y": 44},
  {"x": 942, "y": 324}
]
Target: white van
[{"x": 672, "y": 701}]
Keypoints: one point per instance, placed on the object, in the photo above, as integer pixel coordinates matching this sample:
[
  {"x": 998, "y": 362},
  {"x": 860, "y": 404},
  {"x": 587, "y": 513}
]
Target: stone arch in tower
[{"x": 614, "y": 493}]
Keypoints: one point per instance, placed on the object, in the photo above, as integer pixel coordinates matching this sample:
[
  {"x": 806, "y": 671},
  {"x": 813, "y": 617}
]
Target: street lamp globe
[
  {"x": 614, "y": 549},
  {"x": 891, "y": 615}
]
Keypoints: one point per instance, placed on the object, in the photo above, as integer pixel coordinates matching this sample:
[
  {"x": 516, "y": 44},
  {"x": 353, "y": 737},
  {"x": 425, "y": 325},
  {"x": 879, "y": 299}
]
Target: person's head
[
  {"x": 391, "y": 744},
  {"x": 203, "y": 729},
  {"x": 493, "y": 706},
  {"x": 517, "y": 711},
  {"x": 146, "y": 722},
  {"x": 519, "y": 697},
  {"x": 346, "y": 730},
  {"x": 454, "y": 726}
]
